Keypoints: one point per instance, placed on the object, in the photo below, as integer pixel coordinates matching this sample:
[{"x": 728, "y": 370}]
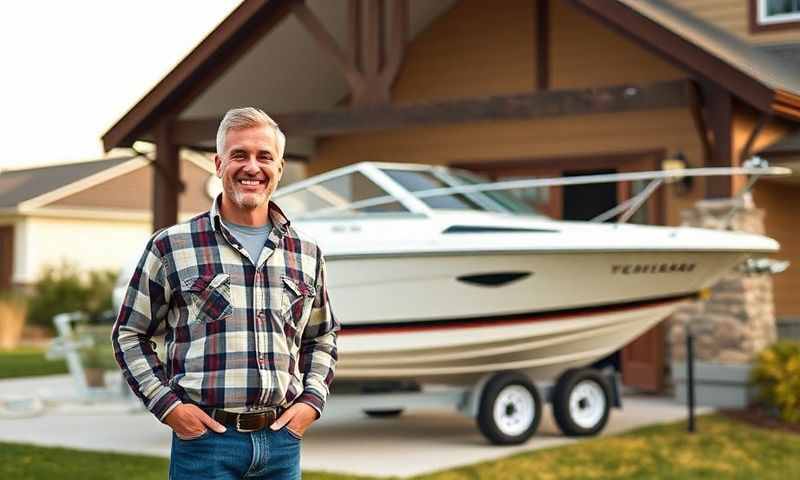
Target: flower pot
[{"x": 94, "y": 377}]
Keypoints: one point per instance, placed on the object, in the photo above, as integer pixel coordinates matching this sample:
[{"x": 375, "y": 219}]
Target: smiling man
[{"x": 250, "y": 337}]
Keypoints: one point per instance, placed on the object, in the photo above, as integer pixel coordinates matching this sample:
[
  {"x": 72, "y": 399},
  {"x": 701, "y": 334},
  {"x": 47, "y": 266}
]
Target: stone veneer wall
[{"x": 738, "y": 320}]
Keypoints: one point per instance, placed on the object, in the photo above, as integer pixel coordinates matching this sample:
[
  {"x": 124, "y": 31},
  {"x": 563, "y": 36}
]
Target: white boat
[{"x": 438, "y": 277}]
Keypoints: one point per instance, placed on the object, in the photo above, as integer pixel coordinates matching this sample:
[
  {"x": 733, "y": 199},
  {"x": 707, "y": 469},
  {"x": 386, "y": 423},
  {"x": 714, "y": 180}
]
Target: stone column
[{"x": 733, "y": 324}]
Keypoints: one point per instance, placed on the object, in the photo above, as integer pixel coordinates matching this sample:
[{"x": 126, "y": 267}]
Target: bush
[
  {"x": 777, "y": 376},
  {"x": 62, "y": 289}
]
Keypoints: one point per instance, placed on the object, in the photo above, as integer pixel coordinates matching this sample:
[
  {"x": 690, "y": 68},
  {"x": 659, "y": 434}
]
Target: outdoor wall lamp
[{"x": 683, "y": 185}]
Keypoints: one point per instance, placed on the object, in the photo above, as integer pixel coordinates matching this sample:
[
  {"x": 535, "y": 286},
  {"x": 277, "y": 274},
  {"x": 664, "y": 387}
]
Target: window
[
  {"x": 769, "y": 14},
  {"x": 333, "y": 198}
]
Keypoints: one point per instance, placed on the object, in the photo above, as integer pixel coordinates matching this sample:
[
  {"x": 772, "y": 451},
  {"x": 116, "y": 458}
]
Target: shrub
[
  {"x": 62, "y": 289},
  {"x": 100, "y": 289},
  {"x": 777, "y": 376}
]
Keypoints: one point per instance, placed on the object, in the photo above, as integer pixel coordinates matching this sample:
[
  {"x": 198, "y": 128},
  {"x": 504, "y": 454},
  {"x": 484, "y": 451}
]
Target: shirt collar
[{"x": 279, "y": 220}]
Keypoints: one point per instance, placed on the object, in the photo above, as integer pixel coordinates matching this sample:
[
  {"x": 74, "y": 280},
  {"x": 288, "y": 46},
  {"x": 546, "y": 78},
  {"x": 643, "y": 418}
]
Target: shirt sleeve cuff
[
  {"x": 164, "y": 404},
  {"x": 313, "y": 400}
]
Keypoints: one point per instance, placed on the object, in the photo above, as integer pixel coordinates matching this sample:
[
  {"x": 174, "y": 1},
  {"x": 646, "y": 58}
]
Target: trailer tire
[
  {"x": 581, "y": 402},
  {"x": 384, "y": 413},
  {"x": 510, "y": 409}
]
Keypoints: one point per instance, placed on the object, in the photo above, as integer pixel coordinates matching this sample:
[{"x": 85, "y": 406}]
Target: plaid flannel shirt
[{"x": 239, "y": 335}]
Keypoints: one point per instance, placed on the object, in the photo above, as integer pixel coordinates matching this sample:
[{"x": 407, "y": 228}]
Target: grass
[
  {"x": 28, "y": 362},
  {"x": 722, "y": 449}
]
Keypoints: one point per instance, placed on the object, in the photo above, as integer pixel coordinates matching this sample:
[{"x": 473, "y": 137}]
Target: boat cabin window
[
  {"x": 333, "y": 198},
  {"x": 505, "y": 199},
  {"x": 489, "y": 201},
  {"x": 419, "y": 180}
]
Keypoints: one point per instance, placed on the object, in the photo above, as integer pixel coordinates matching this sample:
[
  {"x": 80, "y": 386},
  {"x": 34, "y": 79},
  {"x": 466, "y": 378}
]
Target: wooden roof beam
[
  {"x": 325, "y": 41},
  {"x": 397, "y": 42},
  {"x": 368, "y": 65},
  {"x": 543, "y": 104}
]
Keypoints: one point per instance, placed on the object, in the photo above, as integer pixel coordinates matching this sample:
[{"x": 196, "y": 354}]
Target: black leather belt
[{"x": 245, "y": 422}]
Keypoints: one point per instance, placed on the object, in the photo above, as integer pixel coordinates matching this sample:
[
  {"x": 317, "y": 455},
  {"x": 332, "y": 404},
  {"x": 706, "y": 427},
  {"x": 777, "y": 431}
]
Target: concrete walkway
[{"x": 344, "y": 441}]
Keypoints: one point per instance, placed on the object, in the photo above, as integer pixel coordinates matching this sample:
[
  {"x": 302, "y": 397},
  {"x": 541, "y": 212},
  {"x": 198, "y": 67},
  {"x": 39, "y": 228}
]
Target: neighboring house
[
  {"x": 96, "y": 214},
  {"x": 510, "y": 88}
]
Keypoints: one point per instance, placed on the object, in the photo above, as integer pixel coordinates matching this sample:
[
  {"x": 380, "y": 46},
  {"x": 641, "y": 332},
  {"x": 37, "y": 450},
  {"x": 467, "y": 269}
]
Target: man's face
[{"x": 249, "y": 167}]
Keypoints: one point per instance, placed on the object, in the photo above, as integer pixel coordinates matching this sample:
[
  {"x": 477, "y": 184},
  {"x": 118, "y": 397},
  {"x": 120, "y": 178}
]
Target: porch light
[{"x": 678, "y": 162}]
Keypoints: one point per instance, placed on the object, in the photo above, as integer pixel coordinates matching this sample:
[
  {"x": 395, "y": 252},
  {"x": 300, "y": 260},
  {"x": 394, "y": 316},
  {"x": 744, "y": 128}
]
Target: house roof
[
  {"x": 220, "y": 70},
  {"x": 18, "y": 186}
]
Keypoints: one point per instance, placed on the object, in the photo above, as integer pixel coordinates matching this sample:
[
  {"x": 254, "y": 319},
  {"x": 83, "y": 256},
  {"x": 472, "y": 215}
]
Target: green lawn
[
  {"x": 28, "y": 362},
  {"x": 722, "y": 449}
]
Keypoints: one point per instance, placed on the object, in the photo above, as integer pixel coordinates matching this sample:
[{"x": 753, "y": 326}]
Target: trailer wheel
[
  {"x": 581, "y": 402},
  {"x": 510, "y": 409},
  {"x": 384, "y": 413}
]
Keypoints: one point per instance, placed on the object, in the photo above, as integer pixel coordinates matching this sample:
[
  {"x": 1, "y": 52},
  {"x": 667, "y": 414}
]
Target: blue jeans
[{"x": 233, "y": 455}]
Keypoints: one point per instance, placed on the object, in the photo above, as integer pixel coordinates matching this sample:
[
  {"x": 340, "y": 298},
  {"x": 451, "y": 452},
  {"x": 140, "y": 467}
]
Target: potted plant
[
  {"x": 98, "y": 357},
  {"x": 13, "y": 310}
]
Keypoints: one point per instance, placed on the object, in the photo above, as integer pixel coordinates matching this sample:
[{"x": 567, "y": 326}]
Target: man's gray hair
[{"x": 248, "y": 117}]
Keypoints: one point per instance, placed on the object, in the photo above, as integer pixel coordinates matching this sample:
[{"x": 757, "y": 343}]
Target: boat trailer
[{"x": 507, "y": 406}]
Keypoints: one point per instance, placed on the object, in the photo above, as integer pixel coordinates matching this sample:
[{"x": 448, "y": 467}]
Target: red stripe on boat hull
[{"x": 385, "y": 328}]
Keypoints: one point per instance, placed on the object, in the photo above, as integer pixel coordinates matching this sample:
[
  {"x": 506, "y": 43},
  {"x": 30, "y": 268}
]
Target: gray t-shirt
[{"x": 252, "y": 238}]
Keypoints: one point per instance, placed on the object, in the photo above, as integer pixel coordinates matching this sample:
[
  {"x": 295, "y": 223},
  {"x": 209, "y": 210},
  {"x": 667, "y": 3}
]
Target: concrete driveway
[{"x": 344, "y": 441}]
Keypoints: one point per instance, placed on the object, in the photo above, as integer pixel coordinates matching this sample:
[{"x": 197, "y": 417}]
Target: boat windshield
[
  {"x": 489, "y": 201},
  {"x": 334, "y": 197}
]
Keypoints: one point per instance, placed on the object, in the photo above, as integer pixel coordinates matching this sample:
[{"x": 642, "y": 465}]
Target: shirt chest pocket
[
  {"x": 209, "y": 298},
  {"x": 298, "y": 298}
]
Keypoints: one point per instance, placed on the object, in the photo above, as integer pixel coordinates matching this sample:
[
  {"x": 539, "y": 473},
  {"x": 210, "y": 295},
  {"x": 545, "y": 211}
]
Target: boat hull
[
  {"x": 377, "y": 290},
  {"x": 541, "y": 345},
  {"x": 417, "y": 319}
]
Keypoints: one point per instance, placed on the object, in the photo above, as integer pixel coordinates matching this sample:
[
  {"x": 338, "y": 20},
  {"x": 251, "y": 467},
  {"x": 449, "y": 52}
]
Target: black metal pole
[{"x": 690, "y": 379}]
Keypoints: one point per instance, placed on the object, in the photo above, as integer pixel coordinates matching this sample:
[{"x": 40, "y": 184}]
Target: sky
[{"x": 71, "y": 69}]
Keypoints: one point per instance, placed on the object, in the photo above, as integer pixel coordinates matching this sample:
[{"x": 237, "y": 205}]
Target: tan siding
[
  {"x": 781, "y": 204},
  {"x": 734, "y": 17},
  {"x": 587, "y": 53},
  {"x": 474, "y": 49},
  {"x": 134, "y": 191}
]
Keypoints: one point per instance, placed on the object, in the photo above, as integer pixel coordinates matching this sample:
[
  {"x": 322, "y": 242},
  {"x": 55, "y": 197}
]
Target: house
[
  {"x": 94, "y": 214},
  {"x": 510, "y": 88}
]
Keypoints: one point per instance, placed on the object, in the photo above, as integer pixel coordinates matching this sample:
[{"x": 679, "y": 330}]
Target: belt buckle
[{"x": 241, "y": 429}]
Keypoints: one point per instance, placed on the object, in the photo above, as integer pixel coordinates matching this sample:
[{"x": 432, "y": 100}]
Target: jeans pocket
[
  {"x": 292, "y": 433},
  {"x": 193, "y": 439}
]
